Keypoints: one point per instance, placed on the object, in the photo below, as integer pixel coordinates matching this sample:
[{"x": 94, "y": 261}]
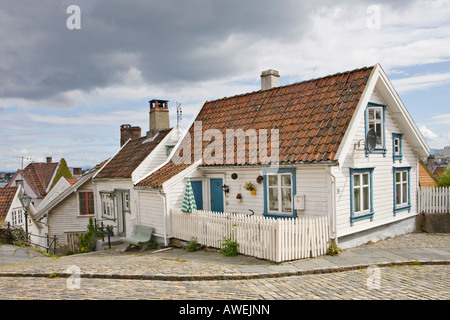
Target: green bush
[
  {"x": 87, "y": 241},
  {"x": 444, "y": 179},
  {"x": 192, "y": 245},
  {"x": 229, "y": 247}
]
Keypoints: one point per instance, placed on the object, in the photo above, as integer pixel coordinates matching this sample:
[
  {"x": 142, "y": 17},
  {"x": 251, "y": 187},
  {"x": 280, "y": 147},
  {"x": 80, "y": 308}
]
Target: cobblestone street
[{"x": 410, "y": 267}]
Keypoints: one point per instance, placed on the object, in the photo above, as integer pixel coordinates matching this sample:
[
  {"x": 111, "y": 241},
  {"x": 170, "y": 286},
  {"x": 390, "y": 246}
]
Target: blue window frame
[
  {"x": 279, "y": 190},
  {"x": 361, "y": 194},
  {"x": 375, "y": 119},
  {"x": 402, "y": 189},
  {"x": 397, "y": 146}
]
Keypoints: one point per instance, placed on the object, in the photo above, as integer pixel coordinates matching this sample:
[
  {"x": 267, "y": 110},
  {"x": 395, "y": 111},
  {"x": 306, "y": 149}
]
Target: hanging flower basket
[
  {"x": 239, "y": 198},
  {"x": 250, "y": 187}
]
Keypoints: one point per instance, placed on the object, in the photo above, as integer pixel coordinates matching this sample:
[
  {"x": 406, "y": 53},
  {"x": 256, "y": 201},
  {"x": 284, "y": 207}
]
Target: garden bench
[{"x": 140, "y": 237}]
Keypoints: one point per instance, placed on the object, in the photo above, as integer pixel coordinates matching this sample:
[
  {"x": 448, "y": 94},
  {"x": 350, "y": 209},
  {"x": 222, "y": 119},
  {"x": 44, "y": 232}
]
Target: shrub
[
  {"x": 192, "y": 245},
  {"x": 229, "y": 247}
]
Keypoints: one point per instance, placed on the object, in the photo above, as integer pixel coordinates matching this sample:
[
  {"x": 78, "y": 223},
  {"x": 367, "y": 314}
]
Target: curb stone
[{"x": 242, "y": 276}]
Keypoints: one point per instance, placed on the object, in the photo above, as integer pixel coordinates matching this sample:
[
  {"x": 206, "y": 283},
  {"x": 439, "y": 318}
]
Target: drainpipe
[
  {"x": 333, "y": 206},
  {"x": 165, "y": 216}
]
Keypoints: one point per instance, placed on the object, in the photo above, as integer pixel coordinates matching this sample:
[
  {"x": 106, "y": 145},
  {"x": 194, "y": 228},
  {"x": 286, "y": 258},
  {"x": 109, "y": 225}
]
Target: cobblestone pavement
[
  {"x": 404, "y": 282},
  {"x": 413, "y": 266}
]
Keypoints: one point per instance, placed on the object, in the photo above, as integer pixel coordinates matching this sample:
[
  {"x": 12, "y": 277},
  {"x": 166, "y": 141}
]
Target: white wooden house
[
  {"x": 323, "y": 167},
  {"x": 115, "y": 198},
  {"x": 12, "y": 211},
  {"x": 70, "y": 205}
]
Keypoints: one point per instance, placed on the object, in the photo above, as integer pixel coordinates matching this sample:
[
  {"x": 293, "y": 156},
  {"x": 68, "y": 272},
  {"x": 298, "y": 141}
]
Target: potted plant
[
  {"x": 259, "y": 179},
  {"x": 250, "y": 187},
  {"x": 239, "y": 198}
]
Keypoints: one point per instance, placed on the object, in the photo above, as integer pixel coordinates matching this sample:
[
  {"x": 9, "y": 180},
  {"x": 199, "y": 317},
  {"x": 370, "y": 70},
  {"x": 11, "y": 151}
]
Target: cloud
[
  {"x": 421, "y": 82},
  {"x": 435, "y": 140}
]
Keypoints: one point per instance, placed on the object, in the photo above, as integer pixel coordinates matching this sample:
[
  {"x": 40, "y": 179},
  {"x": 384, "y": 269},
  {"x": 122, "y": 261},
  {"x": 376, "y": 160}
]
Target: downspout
[
  {"x": 165, "y": 217},
  {"x": 333, "y": 206}
]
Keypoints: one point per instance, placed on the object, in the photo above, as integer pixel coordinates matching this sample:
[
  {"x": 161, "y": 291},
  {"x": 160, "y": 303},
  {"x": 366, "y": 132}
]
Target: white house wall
[
  {"x": 151, "y": 211},
  {"x": 65, "y": 218},
  {"x": 383, "y": 184},
  {"x": 110, "y": 185}
]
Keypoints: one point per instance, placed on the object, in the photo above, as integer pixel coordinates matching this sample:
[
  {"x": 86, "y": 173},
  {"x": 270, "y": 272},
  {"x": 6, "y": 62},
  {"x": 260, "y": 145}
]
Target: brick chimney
[
  {"x": 49, "y": 159},
  {"x": 159, "y": 117},
  {"x": 77, "y": 172},
  {"x": 129, "y": 132},
  {"x": 269, "y": 79}
]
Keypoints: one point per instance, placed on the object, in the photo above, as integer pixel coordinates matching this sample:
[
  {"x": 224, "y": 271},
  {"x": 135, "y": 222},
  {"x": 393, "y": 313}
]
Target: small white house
[
  {"x": 68, "y": 209},
  {"x": 342, "y": 146},
  {"x": 115, "y": 198},
  {"x": 12, "y": 211}
]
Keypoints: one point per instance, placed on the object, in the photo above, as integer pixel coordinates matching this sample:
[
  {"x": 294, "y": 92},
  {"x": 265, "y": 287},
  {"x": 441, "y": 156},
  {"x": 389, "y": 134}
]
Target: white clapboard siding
[
  {"x": 434, "y": 199},
  {"x": 258, "y": 236}
]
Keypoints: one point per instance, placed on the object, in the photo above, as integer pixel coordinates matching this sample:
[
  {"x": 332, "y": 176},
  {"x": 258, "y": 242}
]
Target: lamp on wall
[{"x": 225, "y": 188}]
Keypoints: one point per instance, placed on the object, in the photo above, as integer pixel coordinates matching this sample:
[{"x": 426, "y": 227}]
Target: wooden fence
[
  {"x": 434, "y": 200},
  {"x": 263, "y": 237}
]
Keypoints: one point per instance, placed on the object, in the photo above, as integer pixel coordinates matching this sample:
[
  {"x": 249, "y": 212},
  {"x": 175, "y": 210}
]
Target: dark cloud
[{"x": 166, "y": 40}]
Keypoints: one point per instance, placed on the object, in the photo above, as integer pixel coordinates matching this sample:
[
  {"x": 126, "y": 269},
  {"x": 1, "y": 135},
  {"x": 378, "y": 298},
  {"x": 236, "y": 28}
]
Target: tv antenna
[
  {"x": 23, "y": 158},
  {"x": 179, "y": 113}
]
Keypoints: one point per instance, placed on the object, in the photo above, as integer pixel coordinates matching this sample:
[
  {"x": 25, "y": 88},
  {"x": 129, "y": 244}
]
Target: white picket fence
[
  {"x": 262, "y": 237},
  {"x": 434, "y": 199}
]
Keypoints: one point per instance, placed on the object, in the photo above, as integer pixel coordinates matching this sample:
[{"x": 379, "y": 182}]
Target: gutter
[
  {"x": 163, "y": 197},
  {"x": 333, "y": 206}
]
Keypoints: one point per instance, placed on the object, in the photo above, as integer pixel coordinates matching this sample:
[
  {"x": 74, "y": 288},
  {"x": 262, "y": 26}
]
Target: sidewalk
[{"x": 177, "y": 264}]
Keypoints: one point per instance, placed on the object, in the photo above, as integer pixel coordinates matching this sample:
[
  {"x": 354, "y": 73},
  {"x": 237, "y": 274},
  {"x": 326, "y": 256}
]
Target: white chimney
[{"x": 269, "y": 79}]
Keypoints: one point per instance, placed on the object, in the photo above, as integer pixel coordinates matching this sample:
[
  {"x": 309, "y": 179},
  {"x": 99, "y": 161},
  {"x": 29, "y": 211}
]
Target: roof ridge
[{"x": 293, "y": 84}]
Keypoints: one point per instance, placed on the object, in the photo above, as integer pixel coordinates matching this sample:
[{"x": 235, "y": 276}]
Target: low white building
[{"x": 348, "y": 149}]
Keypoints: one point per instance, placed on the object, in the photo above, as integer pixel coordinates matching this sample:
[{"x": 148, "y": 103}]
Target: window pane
[
  {"x": 366, "y": 197},
  {"x": 371, "y": 114},
  {"x": 357, "y": 199},
  {"x": 398, "y": 194},
  {"x": 356, "y": 180},
  {"x": 273, "y": 180},
  {"x": 397, "y": 177},
  {"x": 366, "y": 179},
  {"x": 405, "y": 193},
  {"x": 378, "y": 114},
  {"x": 273, "y": 199},
  {"x": 286, "y": 199},
  {"x": 378, "y": 132},
  {"x": 82, "y": 207},
  {"x": 286, "y": 180},
  {"x": 404, "y": 174},
  {"x": 82, "y": 196}
]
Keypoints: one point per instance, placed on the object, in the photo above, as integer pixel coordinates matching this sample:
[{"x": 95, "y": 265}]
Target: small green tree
[
  {"x": 87, "y": 241},
  {"x": 63, "y": 171},
  {"x": 444, "y": 179}
]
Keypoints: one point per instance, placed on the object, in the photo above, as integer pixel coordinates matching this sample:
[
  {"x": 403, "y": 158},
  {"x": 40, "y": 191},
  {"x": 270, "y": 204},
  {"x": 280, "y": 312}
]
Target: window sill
[
  {"x": 364, "y": 216},
  {"x": 404, "y": 208},
  {"x": 279, "y": 215}
]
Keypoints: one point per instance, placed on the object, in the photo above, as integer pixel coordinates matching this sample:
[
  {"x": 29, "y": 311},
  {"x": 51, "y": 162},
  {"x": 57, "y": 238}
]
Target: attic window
[
  {"x": 375, "y": 119},
  {"x": 169, "y": 150}
]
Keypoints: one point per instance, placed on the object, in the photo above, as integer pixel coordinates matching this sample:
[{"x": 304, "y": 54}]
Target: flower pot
[
  {"x": 238, "y": 200},
  {"x": 253, "y": 192}
]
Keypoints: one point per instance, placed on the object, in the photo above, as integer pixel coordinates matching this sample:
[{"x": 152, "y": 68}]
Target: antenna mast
[{"x": 179, "y": 113}]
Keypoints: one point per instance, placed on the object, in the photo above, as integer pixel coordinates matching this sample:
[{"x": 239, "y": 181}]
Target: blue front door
[
  {"x": 216, "y": 194},
  {"x": 198, "y": 194}
]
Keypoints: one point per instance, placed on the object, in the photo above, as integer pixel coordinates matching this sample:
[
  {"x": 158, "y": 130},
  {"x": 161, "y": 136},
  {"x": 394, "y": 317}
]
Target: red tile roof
[
  {"x": 130, "y": 157},
  {"x": 311, "y": 116},
  {"x": 39, "y": 175},
  {"x": 6, "y": 197}
]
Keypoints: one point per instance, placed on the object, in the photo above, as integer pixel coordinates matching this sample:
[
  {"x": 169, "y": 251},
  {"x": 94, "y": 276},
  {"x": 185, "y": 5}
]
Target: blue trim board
[
  {"x": 404, "y": 207},
  {"x": 294, "y": 192},
  {"x": 366, "y": 121},
  {"x": 369, "y": 215}
]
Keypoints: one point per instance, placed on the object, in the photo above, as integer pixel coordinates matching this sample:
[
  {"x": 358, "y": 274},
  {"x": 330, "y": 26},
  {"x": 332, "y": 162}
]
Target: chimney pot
[
  {"x": 269, "y": 79},
  {"x": 77, "y": 171},
  {"x": 49, "y": 159},
  {"x": 128, "y": 132}
]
